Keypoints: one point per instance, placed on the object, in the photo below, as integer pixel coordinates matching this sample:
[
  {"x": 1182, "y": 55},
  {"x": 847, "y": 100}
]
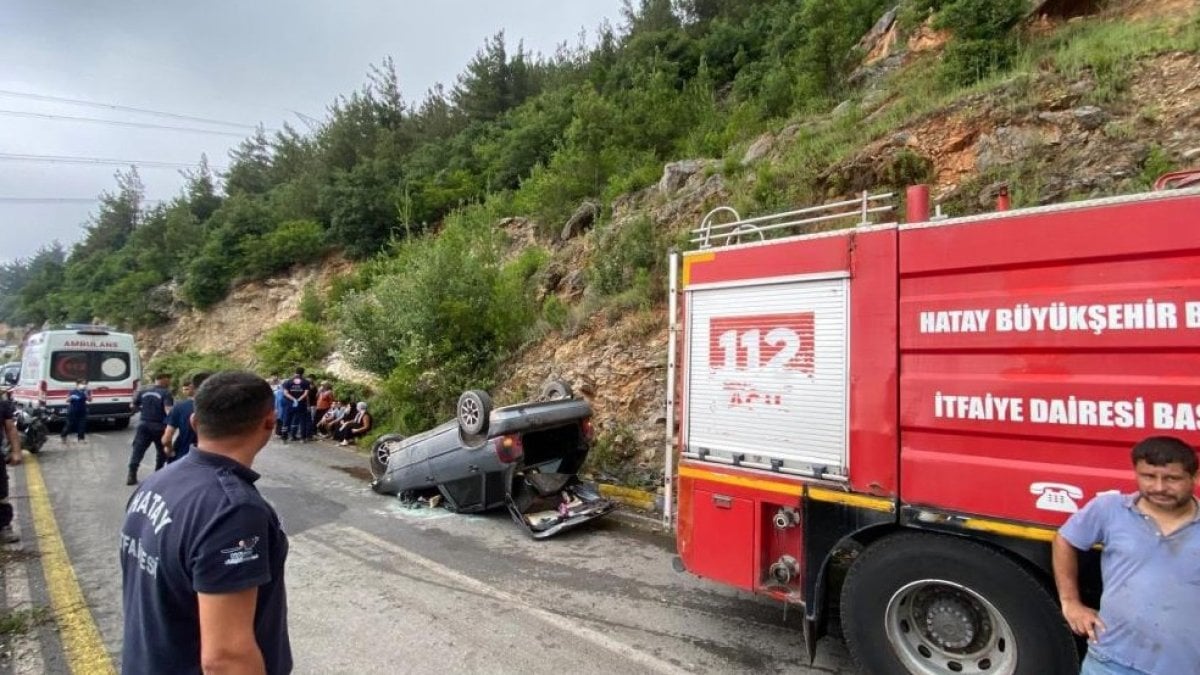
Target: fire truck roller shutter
[{"x": 767, "y": 374}]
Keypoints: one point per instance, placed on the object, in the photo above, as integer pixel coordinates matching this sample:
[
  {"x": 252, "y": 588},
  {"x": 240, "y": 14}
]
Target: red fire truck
[{"x": 890, "y": 421}]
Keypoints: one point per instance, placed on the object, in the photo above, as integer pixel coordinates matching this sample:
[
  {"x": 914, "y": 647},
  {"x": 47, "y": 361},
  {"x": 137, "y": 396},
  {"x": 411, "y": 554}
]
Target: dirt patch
[
  {"x": 359, "y": 472},
  {"x": 1141, "y": 9},
  {"x": 17, "y": 555}
]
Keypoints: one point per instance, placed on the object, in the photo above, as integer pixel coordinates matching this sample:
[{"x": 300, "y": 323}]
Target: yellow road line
[{"x": 81, "y": 640}]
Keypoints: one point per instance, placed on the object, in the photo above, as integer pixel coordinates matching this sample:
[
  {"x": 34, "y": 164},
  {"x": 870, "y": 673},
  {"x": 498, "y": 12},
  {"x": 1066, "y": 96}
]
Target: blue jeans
[{"x": 1098, "y": 665}]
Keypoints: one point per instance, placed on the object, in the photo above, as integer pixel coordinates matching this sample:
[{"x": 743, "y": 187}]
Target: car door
[{"x": 461, "y": 470}]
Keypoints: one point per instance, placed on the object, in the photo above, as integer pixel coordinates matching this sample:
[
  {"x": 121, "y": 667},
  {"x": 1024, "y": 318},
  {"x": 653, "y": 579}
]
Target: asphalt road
[{"x": 374, "y": 587}]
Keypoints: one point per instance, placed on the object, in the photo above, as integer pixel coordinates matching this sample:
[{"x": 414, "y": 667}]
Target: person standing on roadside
[
  {"x": 280, "y": 407},
  {"x": 298, "y": 392},
  {"x": 153, "y": 403},
  {"x": 203, "y": 554},
  {"x": 180, "y": 435},
  {"x": 324, "y": 402},
  {"x": 15, "y": 452},
  {"x": 1150, "y": 567},
  {"x": 77, "y": 403}
]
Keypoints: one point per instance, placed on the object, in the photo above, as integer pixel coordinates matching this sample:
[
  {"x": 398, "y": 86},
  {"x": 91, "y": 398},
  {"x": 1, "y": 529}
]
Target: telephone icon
[{"x": 1058, "y": 497}]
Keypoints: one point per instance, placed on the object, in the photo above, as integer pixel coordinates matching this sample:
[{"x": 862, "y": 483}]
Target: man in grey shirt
[{"x": 1150, "y": 566}]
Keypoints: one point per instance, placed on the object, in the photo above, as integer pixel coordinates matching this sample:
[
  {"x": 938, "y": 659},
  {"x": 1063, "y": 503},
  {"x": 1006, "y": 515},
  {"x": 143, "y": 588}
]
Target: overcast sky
[{"x": 245, "y": 62}]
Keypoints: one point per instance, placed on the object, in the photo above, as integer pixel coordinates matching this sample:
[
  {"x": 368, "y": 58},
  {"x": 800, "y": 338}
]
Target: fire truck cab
[{"x": 917, "y": 407}]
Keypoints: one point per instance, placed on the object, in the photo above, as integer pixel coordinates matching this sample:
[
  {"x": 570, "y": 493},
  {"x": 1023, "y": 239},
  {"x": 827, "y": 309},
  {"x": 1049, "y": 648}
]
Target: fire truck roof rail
[{"x": 732, "y": 231}]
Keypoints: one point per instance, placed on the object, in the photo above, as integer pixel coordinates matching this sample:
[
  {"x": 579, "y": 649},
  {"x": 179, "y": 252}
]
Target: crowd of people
[{"x": 303, "y": 412}]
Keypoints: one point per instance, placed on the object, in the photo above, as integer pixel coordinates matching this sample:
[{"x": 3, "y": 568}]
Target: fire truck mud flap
[{"x": 546, "y": 504}]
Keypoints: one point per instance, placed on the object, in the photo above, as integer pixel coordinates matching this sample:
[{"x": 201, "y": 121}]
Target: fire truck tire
[{"x": 934, "y": 604}]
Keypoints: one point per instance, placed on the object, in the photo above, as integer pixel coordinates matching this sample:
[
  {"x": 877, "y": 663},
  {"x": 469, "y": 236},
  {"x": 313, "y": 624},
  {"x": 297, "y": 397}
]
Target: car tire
[
  {"x": 120, "y": 423},
  {"x": 934, "y": 604},
  {"x": 555, "y": 390},
  {"x": 381, "y": 450},
  {"x": 474, "y": 410}
]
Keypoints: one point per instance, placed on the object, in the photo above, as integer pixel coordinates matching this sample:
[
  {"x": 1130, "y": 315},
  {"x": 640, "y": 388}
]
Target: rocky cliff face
[{"x": 235, "y": 324}]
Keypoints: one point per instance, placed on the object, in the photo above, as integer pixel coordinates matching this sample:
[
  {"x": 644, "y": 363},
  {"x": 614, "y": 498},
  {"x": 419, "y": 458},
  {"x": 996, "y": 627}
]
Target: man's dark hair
[
  {"x": 300, "y": 371},
  {"x": 162, "y": 376},
  {"x": 1164, "y": 450},
  {"x": 199, "y": 378},
  {"x": 231, "y": 403}
]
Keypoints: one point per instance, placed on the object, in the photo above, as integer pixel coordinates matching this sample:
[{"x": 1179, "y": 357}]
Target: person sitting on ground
[
  {"x": 354, "y": 428},
  {"x": 324, "y": 402},
  {"x": 328, "y": 421}
]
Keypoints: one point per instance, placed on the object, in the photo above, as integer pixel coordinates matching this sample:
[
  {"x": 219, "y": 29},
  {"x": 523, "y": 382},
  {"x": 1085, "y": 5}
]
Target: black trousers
[
  {"x": 76, "y": 422},
  {"x": 6, "y": 509},
  {"x": 145, "y": 435}
]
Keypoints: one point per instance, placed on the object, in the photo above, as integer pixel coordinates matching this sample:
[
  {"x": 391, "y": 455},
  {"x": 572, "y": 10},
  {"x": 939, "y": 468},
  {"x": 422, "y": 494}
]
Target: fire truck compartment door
[{"x": 766, "y": 384}]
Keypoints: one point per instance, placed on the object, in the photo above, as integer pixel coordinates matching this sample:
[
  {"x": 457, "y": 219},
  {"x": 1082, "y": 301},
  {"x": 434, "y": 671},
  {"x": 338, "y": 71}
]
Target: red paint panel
[
  {"x": 724, "y": 535},
  {"x": 1136, "y": 230},
  {"x": 1036, "y": 350},
  {"x": 785, "y": 258},
  {"x": 874, "y": 366}
]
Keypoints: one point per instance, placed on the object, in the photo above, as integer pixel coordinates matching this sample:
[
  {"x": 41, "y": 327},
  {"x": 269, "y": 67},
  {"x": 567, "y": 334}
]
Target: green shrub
[
  {"x": 439, "y": 320},
  {"x": 983, "y": 37},
  {"x": 555, "y": 312},
  {"x": 312, "y": 305},
  {"x": 182, "y": 365},
  {"x": 292, "y": 242},
  {"x": 630, "y": 257},
  {"x": 292, "y": 344}
]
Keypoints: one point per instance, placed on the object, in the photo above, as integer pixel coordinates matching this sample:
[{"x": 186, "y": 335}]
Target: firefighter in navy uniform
[{"x": 153, "y": 403}]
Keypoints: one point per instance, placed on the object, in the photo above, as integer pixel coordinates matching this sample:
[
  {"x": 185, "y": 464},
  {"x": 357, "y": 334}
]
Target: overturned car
[{"x": 524, "y": 457}]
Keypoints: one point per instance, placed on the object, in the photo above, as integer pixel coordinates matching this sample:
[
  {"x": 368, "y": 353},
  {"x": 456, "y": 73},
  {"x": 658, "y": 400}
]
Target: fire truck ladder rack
[{"x": 732, "y": 231}]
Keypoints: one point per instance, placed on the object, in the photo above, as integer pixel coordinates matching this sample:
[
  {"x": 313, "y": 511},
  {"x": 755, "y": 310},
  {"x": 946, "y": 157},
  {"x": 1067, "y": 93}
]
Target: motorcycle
[{"x": 32, "y": 428}]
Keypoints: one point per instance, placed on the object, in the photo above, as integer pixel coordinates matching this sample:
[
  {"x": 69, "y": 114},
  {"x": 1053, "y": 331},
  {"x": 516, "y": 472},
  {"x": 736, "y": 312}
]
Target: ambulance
[{"x": 53, "y": 360}]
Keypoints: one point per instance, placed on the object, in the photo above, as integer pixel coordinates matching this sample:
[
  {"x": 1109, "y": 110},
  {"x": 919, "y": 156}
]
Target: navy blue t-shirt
[
  {"x": 199, "y": 526},
  {"x": 180, "y": 417},
  {"x": 77, "y": 400},
  {"x": 153, "y": 402},
  {"x": 297, "y": 387}
]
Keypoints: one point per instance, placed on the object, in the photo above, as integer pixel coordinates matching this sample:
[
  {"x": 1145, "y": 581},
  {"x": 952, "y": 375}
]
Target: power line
[
  {"x": 124, "y": 108},
  {"x": 48, "y": 200},
  {"x": 117, "y": 123},
  {"x": 65, "y": 159},
  {"x": 63, "y": 200}
]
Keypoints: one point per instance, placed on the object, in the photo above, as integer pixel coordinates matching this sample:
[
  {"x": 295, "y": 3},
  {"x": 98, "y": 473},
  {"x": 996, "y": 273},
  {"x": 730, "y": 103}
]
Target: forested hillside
[{"x": 421, "y": 193}]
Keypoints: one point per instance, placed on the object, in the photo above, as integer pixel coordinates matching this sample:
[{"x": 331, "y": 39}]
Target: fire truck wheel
[
  {"x": 936, "y": 605},
  {"x": 382, "y": 449}
]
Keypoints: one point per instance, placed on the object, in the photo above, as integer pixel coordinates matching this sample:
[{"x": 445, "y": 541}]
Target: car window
[{"x": 69, "y": 366}]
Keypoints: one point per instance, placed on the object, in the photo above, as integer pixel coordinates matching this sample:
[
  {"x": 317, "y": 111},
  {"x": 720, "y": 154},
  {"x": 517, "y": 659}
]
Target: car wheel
[
  {"x": 120, "y": 423},
  {"x": 555, "y": 390},
  {"x": 383, "y": 448},
  {"x": 474, "y": 409}
]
